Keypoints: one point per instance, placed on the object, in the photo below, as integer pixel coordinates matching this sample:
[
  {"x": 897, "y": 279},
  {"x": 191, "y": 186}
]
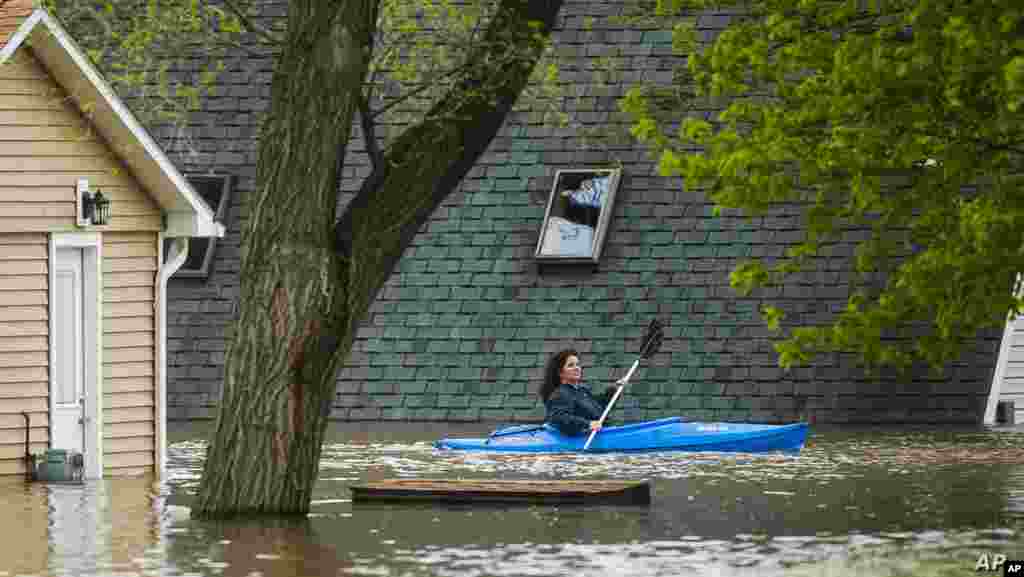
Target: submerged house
[
  {"x": 87, "y": 199},
  {"x": 525, "y": 258}
]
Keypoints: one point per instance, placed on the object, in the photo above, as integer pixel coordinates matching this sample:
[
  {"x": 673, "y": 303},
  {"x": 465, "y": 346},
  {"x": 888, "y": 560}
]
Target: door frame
[{"x": 91, "y": 244}]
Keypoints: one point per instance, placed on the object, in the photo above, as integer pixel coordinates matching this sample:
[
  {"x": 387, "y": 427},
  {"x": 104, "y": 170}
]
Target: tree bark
[
  {"x": 279, "y": 376},
  {"x": 306, "y": 281}
]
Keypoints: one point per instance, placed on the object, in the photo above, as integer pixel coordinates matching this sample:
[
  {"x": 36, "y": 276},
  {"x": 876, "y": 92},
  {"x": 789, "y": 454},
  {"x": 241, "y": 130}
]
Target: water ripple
[{"x": 872, "y": 503}]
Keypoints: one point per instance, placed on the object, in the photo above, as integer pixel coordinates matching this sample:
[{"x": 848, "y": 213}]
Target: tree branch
[
  {"x": 426, "y": 86},
  {"x": 430, "y": 159},
  {"x": 369, "y": 136},
  {"x": 1002, "y": 147},
  {"x": 251, "y": 26}
]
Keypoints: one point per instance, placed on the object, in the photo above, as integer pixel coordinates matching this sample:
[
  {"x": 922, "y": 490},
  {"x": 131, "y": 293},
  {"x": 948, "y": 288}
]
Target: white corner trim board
[
  {"x": 997, "y": 376},
  {"x": 1002, "y": 361}
]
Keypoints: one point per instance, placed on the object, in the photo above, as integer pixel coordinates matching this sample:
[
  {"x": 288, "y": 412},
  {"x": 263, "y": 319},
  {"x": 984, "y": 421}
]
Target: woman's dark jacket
[{"x": 572, "y": 407}]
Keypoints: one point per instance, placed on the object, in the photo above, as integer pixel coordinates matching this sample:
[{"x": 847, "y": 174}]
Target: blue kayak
[{"x": 669, "y": 434}]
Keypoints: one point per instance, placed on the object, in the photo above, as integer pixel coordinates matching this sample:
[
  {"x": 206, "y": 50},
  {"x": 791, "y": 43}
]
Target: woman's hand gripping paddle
[{"x": 651, "y": 344}]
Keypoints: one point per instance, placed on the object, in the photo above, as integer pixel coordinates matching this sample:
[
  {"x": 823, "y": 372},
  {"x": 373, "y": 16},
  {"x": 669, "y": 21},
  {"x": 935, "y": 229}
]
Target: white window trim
[
  {"x": 603, "y": 220},
  {"x": 92, "y": 337}
]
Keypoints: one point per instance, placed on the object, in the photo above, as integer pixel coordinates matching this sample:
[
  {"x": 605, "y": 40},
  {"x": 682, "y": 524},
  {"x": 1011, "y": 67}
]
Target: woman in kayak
[{"x": 569, "y": 404}]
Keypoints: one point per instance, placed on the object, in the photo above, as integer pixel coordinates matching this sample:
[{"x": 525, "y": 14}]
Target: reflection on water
[
  {"x": 96, "y": 529},
  {"x": 852, "y": 503}
]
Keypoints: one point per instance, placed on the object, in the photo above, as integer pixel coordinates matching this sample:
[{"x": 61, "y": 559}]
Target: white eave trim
[
  {"x": 19, "y": 36},
  {"x": 201, "y": 216},
  {"x": 187, "y": 224}
]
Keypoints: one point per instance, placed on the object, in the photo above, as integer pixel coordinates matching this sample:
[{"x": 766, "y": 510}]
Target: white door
[{"x": 67, "y": 394}]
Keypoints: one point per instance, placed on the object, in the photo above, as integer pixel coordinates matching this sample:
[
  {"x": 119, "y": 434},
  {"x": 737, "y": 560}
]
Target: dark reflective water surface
[{"x": 854, "y": 502}]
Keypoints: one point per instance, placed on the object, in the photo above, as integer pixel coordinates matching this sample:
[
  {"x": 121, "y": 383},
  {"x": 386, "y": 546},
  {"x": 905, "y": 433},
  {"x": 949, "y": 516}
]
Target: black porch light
[{"x": 96, "y": 208}]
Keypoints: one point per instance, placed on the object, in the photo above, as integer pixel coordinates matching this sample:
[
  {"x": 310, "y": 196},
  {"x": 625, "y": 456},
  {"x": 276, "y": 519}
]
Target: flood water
[{"x": 853, "y": 502}]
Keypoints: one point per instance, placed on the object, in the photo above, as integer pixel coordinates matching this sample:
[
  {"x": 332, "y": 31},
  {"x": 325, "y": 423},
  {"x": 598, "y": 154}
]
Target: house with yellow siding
[{"x": 82, "y": 280}]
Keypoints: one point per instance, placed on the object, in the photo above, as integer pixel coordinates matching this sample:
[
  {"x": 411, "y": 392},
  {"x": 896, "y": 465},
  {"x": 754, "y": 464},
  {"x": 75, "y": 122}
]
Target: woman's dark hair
[{"x": 553, "y": 373}]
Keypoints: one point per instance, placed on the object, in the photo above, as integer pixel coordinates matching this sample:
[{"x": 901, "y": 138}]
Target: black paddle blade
[{"x": 652, "y": 339}]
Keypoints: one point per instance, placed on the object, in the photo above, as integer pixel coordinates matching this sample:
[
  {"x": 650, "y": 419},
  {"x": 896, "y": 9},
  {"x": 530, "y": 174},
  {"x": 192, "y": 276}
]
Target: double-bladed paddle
[{"x": 651, "y": 343}]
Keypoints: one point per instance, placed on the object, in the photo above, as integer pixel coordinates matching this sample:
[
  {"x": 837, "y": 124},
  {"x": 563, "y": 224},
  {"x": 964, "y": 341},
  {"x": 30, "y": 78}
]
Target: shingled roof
[{"x": 12, "y": 14}]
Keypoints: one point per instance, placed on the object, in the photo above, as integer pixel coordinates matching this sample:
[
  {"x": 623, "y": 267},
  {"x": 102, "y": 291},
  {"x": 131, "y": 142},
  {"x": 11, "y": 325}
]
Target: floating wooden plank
[{"x": 500, "y": 491}]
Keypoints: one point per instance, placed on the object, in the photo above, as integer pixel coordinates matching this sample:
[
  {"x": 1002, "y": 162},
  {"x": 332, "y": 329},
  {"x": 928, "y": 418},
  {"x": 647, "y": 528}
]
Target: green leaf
[{"x": 909, "y": 147}]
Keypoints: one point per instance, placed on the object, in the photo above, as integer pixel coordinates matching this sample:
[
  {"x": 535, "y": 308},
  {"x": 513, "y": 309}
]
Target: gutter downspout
[{"x": 178, "y": 254}]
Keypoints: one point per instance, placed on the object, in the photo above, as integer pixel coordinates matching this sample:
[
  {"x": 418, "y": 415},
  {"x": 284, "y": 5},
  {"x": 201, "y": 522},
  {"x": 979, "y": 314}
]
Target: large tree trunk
[
  {"x": 280, "y": 370},
  {"x": 301, "y": 301}
]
